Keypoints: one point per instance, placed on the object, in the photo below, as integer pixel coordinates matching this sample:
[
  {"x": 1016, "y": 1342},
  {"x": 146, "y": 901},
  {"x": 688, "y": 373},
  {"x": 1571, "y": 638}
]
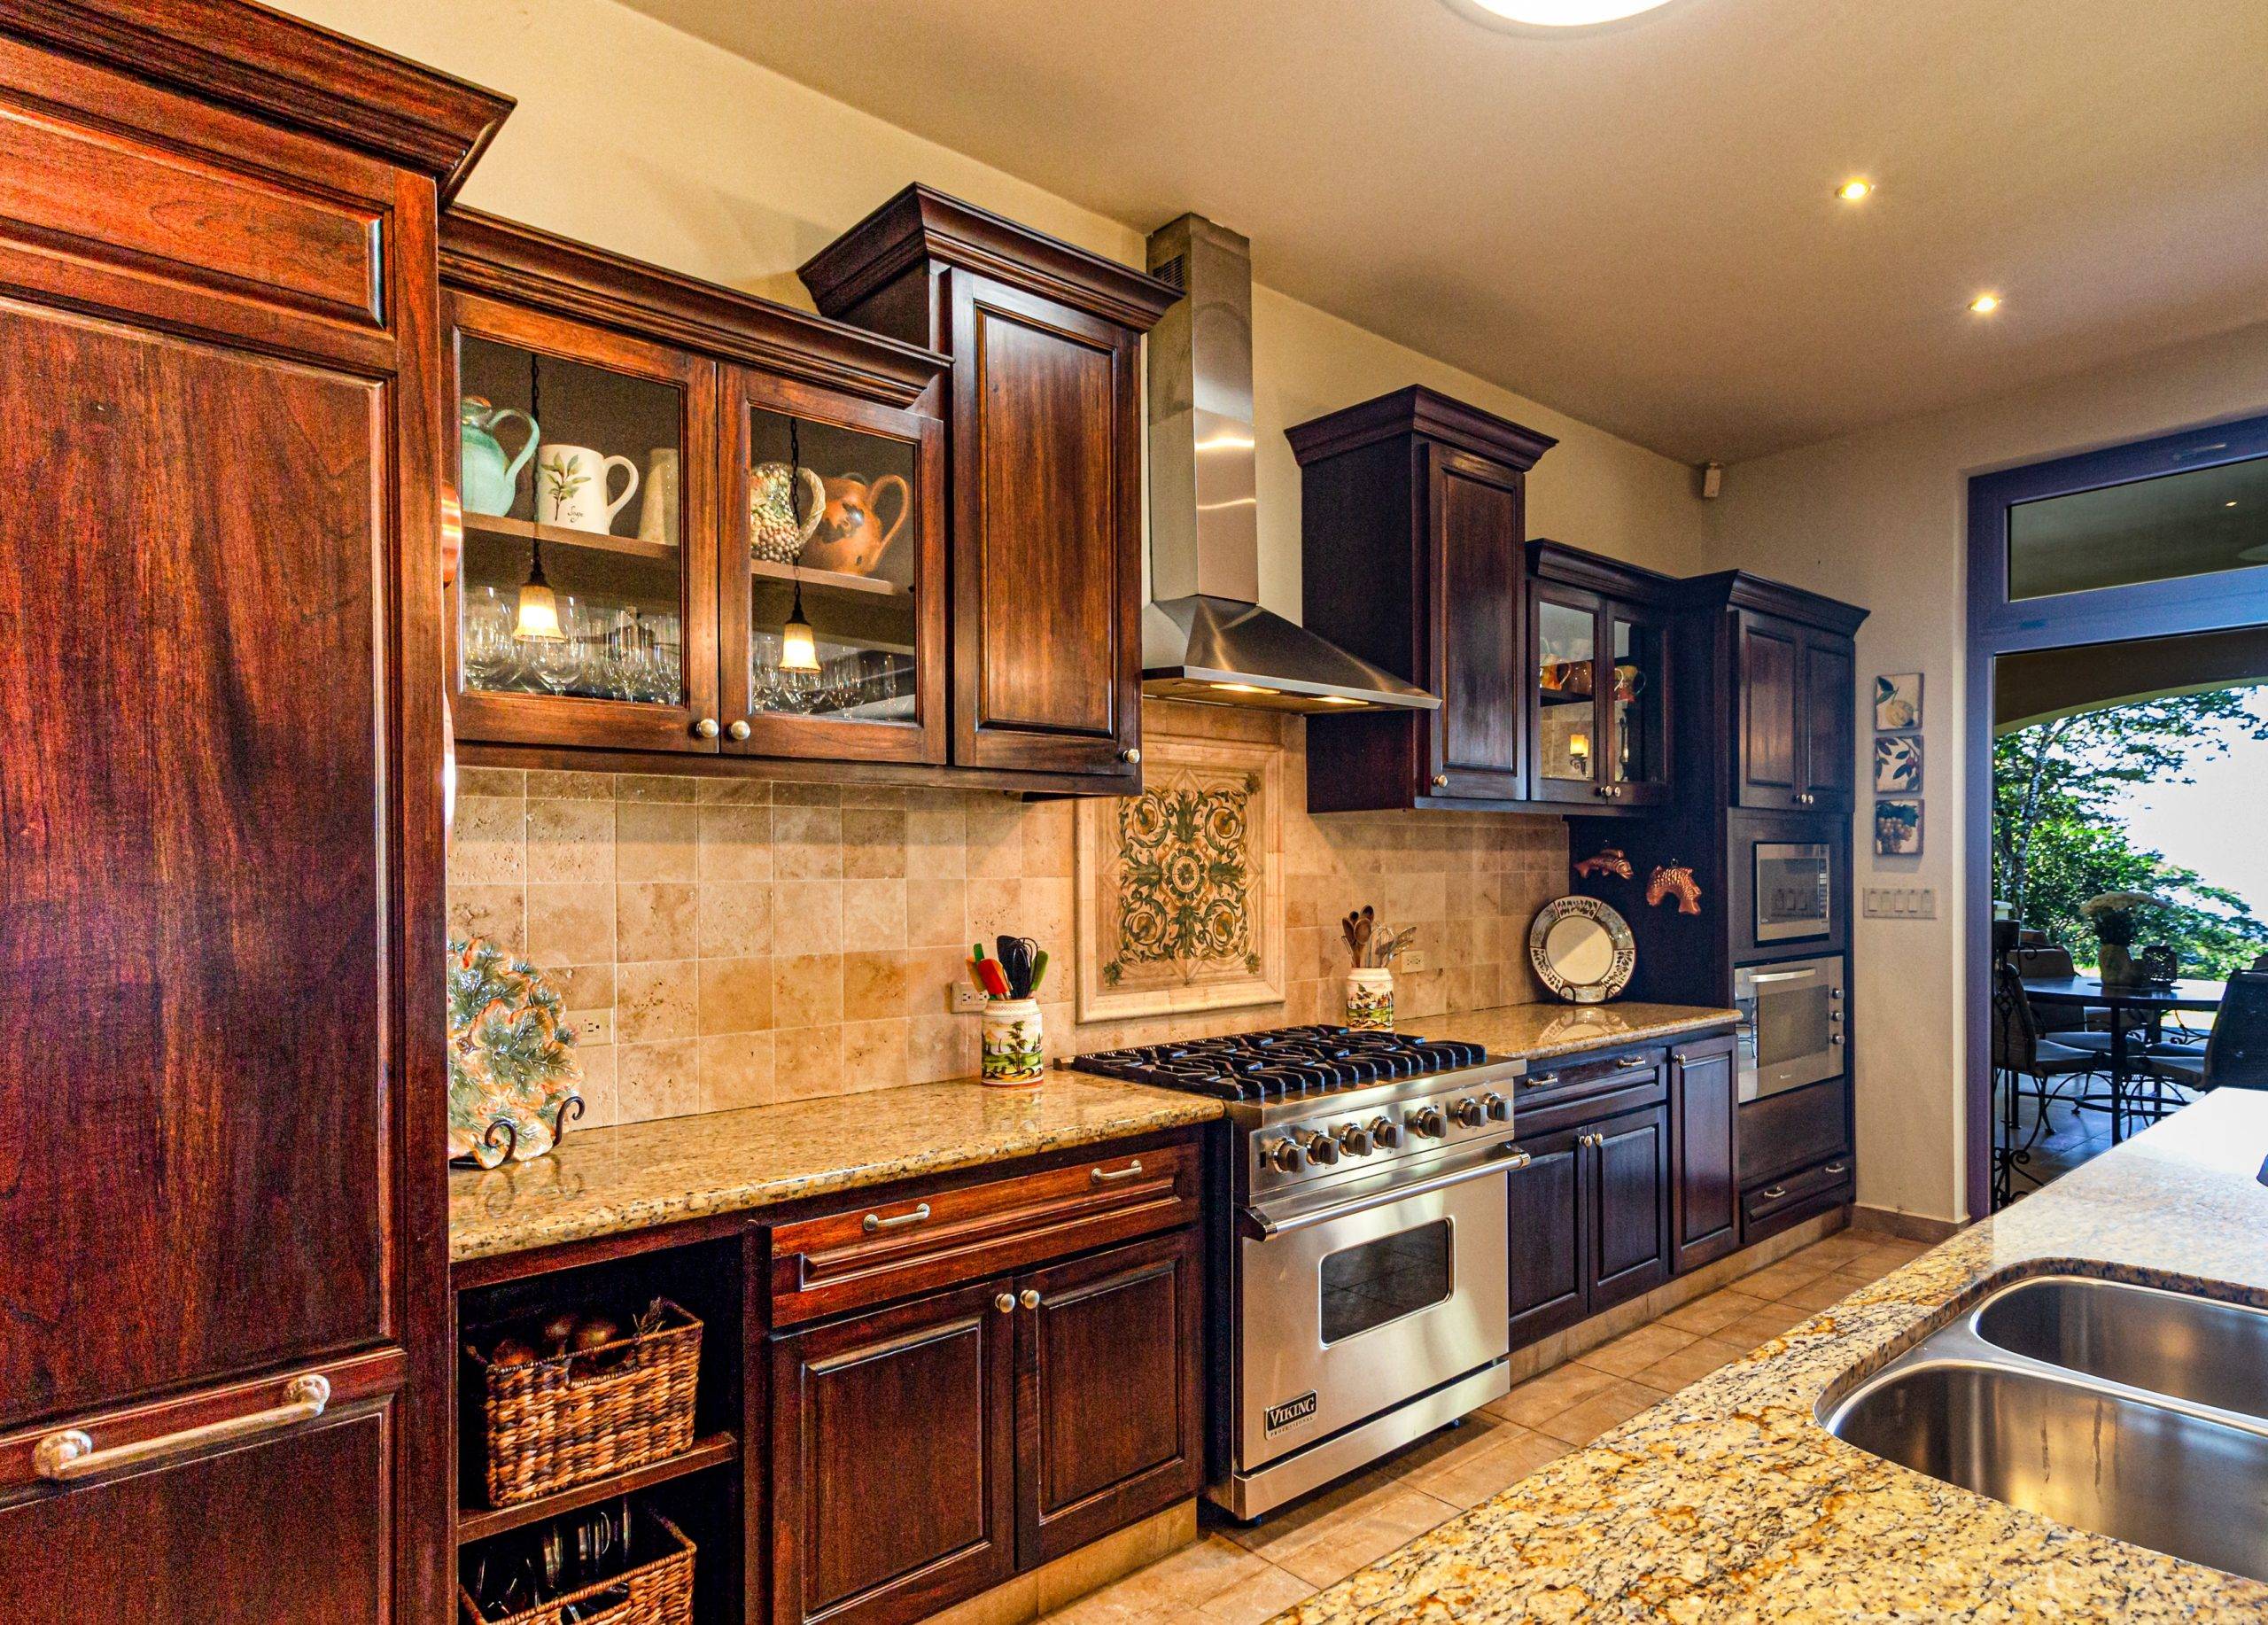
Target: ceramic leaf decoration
[{"x": 512, "y": 1069}]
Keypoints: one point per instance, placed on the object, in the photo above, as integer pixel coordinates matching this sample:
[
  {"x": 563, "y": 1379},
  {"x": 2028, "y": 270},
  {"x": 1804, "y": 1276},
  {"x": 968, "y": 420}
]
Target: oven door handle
[
  {"x": 1264, "y": 1227},
  {"x": 1760, "y": 978}
]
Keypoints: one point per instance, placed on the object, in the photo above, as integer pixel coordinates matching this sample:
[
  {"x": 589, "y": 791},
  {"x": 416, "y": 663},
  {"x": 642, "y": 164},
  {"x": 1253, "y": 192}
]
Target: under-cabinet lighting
[
  {"x": 1243, "y": 689},
  {"x": 1339, "y": 699}
]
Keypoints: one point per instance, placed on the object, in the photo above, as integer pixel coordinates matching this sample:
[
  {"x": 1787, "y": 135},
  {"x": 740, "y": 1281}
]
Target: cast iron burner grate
[{"x": 1284, "y": 1062}]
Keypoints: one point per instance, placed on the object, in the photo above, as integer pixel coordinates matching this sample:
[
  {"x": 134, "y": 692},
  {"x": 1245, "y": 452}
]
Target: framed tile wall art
[
  {"x": 1898, "y": 763},
  {"x": 1898, "y": 827}
]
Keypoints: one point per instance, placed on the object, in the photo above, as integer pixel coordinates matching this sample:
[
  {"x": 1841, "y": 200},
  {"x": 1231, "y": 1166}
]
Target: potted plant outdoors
[{"x": 2115, "y": 916}]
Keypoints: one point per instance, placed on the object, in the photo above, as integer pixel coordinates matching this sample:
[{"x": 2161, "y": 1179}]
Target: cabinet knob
[
  {"x": 1131, "y": 755},
  {"x": 1028, "y": 1298},
  {"x": 1806, "y": 799},
  {"x": 1440, "y": 780},
  {"x": 739, "y": 730},
  {"x": 1005, "y": 1302},
  {"x": 706, "y": 727}
]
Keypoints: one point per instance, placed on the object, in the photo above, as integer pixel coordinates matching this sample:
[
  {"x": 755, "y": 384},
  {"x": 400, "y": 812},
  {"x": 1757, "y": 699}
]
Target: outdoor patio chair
[{"x": 2236, "y": 1053}]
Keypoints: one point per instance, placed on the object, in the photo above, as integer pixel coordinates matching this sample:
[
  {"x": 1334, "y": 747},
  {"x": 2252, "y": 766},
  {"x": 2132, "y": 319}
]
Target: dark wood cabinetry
[
  {"x": 1415, "y": 523},
  {"x": 1794, "y": 688},
  {"x": 1045, "y": 425},
  {"x": 1592, "y": 1212},
  {"x": 1599, "y": 687},
  {"x": 1794, "y": 1156},
  {"x": 221, "y": 1036},
  {"x": 1704, "y": 1106}
]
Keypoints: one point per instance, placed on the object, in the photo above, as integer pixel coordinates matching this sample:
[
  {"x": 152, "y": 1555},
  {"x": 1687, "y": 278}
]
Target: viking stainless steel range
[{"x": 1359, "y": 1251}]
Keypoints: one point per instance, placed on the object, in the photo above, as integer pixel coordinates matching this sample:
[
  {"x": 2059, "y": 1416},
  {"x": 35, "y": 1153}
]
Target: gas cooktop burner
[{"x": 1284, "y": 1062}]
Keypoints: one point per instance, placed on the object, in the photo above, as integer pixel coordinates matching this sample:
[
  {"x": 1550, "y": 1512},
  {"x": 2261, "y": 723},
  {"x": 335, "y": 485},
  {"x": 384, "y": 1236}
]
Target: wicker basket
[
  {"x": 567, "y": 1419},
  {"x": 660, "y": 1592}
]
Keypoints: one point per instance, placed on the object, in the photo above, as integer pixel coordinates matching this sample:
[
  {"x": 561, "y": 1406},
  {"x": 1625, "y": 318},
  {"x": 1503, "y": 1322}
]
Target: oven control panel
[{"x": 1300, "y": 1150}]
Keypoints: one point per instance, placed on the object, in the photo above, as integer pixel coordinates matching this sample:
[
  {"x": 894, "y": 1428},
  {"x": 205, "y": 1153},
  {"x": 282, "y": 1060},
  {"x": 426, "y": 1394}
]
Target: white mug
[{"x": 570, "y": 487}]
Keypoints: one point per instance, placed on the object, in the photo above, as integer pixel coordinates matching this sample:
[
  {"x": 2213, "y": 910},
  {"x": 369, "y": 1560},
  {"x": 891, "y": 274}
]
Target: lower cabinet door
[
  {"x": 894, "y": 1459},
  {"x": 288, "y": 1530},
  {"x": 1704, "y": 1093},
  {"x": 1630, "y": 1206},
  {"x": 1549, "y": 1234},
  {"x": 1109, "y": 1357}
]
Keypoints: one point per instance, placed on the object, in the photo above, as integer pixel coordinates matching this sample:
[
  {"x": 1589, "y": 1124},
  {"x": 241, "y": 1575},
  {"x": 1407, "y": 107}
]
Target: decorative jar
[
  {"x": 1369, "y": 999},
  {"x": 1013, "y": 1042}
]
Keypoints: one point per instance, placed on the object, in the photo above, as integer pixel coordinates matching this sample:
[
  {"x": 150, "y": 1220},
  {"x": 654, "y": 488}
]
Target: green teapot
[{"x": 489, "y": 481}]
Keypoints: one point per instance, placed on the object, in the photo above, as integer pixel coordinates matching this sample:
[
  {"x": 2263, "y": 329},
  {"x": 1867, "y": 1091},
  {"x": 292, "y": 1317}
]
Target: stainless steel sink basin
[
  {"x": 2167, "y": 1342},
  {"x": 2128, "y": 1411}
]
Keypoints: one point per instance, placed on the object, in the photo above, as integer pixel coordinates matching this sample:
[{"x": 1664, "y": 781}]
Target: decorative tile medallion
[{"x": 1180, "y": 892}]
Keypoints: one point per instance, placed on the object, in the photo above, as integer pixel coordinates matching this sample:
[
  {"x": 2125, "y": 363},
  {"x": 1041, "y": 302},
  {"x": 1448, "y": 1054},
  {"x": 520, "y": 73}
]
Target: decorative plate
[{"x": 1582, "y": 949}]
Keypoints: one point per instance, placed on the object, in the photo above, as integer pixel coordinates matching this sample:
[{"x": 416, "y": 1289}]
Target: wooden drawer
[
  {"x": 1578, "y": 1076},
  {"x": 1778, "y": 1203},
  {"x": 1781, "y": 1132},
  {"x": 877, "y": 1251}
]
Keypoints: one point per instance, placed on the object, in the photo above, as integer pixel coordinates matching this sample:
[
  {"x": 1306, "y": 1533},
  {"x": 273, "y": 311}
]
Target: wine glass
[
  {"x": 558, "y": 662},
  {"x": 492, "y": 659}
]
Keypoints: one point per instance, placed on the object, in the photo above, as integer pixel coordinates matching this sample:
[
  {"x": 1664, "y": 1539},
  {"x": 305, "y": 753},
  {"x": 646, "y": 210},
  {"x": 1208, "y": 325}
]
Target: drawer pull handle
[
  {"x": 1773, "y": 1193},
  {"x": 1631, "y": 1063},
  {"x": 875, "y": 1221},
  {"x": 1541, "y": 1080},
  {"x": 1836, "y": 1168},
  {"x": 1113, "y": 1176},
  {"x": 62, "y": 1457}
]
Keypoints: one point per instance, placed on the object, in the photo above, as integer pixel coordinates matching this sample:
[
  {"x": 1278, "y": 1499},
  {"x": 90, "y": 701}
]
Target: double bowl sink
[{"x": 2127, "y": 1411}]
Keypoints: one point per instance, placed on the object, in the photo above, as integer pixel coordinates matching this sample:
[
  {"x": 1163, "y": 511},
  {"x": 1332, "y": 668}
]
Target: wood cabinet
[
  {"x": 1599, "y": 681},
  {"x": 1591, "y": 1213},
  {"x": 221, "y": 1038},
  {"x": 1413, "y": 514},
  {"x": 1704, "y": 1091},
  {"x": 1045, "y": 416},
  {"x": 1795, "y": 690}
]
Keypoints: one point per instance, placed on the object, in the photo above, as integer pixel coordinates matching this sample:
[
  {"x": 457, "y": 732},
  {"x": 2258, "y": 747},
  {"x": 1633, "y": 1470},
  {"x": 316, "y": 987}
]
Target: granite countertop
[
  {"x": 1729, "y": 1502},
  {"x": 635, "y": 1176},
  {"x": 610, "y": 1181}
]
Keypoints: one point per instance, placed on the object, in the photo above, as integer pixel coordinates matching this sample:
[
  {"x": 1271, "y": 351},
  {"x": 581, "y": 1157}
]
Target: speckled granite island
[{"x": 1729, "y": 1502}]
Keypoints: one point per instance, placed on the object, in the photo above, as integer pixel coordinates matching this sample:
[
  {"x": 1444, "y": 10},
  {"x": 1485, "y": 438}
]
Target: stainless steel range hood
[{"x": 1204, "y": 635}]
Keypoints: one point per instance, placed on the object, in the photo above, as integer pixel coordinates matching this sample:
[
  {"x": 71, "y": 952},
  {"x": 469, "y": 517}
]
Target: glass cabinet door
[
  {"x": 583, "y": 613},
  {"x": 1568, "y": 738},
  {"x": 1637, "y": 763},
  {"x": 832, "y": 573}
]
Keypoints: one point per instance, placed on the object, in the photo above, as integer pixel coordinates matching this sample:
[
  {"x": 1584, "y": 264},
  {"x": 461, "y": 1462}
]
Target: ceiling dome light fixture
[{"x": 1555, "y": 15}]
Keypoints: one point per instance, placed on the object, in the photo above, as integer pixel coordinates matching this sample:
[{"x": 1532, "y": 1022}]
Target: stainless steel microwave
[
  {"x": 1791, "y": 1029},
  {"x": 1795, "y": 890}
]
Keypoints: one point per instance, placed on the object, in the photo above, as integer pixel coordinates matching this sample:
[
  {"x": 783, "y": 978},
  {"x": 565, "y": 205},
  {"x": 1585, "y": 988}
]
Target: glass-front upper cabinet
[
  {"x": 584, "y": 613},
  {"x": 1601, "y": 699},
  {"x": 832, "y": 568}
]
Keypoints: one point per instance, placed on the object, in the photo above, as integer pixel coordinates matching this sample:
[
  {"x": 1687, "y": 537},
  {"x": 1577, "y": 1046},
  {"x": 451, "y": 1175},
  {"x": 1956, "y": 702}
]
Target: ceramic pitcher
[
  {"x": 570, "y": 487},
  {"x": 774, "y": 532},
  {"x": 489, "y": 481},
  {"x": 853, "y": 539}
]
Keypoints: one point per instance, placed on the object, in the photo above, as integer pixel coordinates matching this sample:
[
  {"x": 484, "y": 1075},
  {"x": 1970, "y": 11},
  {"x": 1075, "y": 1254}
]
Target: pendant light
[
  {"x": 798, "y": 643},
  {"x": 536, "y": 616}
]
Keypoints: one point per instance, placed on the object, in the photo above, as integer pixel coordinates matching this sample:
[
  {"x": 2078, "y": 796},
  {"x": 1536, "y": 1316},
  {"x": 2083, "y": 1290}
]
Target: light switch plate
[{"x": 1901, "y": 902}]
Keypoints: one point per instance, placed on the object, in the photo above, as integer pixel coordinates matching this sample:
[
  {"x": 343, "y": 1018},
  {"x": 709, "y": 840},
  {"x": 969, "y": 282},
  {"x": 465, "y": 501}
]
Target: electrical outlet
[
  {"x": 962, "y": 1000},
  {"x": 1412, "y": 960},
  {"x": 591, "y": 1027}
]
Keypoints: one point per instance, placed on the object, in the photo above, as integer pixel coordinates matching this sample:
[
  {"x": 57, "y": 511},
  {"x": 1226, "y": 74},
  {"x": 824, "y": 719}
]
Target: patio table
[{"x": 2154, "y": 1002}]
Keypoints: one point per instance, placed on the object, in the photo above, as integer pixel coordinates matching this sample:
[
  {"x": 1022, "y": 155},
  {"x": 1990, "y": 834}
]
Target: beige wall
[
  {"x": 641, "y": 139},
  {"x": 721, "y": 943},
  {"x": 1879, "y": 518}
]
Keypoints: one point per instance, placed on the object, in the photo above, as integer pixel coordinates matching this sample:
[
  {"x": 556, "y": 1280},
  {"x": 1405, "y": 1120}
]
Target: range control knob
[
  {"x": 1285, "y": 1156},
  {"x": 1468, "y": 1113},
  {"x": 1427, "y": 1122},
  {"x": 1385, "y": 1132},
  {"x": 1321, "y": 1149},
  {"x": 1499, "y": 1108},
  {"x": 1354, "y": 1139}
]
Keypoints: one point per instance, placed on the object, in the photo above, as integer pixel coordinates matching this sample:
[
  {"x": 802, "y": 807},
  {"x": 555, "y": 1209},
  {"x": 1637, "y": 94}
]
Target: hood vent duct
[{"x": 1204, "y": 635}]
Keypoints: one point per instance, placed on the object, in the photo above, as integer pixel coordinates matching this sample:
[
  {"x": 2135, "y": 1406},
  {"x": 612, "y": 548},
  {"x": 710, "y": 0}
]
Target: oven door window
[
  {"x": 1793, "y": 1025},
  {"x": 1792, "y": 886},
  {"x": 1365, "y": 1286}
]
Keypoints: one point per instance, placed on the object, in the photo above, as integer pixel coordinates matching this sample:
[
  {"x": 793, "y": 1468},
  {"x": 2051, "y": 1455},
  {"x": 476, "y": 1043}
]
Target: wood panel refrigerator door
[
  {"x": 1479, "y": 541},
  {"x": 195, "y": 1017},
  {"x": 1630, "y": 1203},
  {"x": 893, "y": 1460},
  {"x": 1830, "y": 699},
  {"x": 1108, "y": 1402},
  {"x": 1550, "y": 1235},
  {"x": 1047, "y": 565},
  {"x": 1769, "y": 662}
]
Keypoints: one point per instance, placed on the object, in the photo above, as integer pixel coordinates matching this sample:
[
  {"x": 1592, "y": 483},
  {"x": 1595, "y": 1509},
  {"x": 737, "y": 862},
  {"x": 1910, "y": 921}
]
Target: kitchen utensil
[
  {"x": 487, "y": 481},
  {"x": 1038, "y": 969},
  {"x": 987, "y": 972},
  {"x": 570, "y": 487},
  {"x": 778, "y": 527},
  {"x": 1017, "y": 954},
  {"x": 851, "y": 536}
]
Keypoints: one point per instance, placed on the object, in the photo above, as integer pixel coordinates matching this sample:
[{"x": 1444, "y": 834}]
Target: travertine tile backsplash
[{"x": 729, "y": 942}]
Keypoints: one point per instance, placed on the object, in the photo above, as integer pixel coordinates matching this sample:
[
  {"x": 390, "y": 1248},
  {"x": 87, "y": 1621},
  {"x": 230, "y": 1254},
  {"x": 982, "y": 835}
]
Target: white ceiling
[{"x": 1636, "y": 225}]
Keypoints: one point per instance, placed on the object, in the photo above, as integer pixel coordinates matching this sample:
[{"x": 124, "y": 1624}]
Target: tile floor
[{"x": 1233, "y": 1576}]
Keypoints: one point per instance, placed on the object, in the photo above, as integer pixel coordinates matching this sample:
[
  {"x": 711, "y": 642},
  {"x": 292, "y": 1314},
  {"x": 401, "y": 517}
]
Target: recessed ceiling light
[
  {"x": 1560, "y": 13},
  {"x": 1984, "y": 304},
  {"x": 1855, "y": 189}
]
